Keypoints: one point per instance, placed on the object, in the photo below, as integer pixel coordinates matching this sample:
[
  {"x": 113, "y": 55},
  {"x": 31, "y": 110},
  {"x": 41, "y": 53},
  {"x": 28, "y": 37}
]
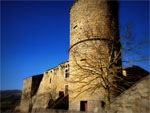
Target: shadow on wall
[{"x": 62, "y": 102}]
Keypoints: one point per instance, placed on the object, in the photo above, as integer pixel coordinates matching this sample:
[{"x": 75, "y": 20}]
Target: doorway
[{"x": 83, "y": 105}]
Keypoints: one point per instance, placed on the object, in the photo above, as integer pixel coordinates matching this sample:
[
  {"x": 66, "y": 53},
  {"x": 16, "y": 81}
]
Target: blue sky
[{"x": 35, "y": 36}]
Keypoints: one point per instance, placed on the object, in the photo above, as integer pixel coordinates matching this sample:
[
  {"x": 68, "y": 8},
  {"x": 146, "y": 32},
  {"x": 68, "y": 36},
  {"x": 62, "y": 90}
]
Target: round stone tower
[{"x": 93, "y": 29}]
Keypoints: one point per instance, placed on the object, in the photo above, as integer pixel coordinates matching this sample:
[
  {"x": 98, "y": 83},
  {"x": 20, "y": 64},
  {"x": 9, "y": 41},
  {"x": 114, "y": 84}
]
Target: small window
[
  {"x": 83, "y": 59},
  {"x": 46, "y": 72},
  {"x": 74, "y": 26},
  {"x": 50, "y": 80},
  {"x": 103, "y": 104},
  {"x": 66, "y": 73},
  {"x": 66, "y": 89}
]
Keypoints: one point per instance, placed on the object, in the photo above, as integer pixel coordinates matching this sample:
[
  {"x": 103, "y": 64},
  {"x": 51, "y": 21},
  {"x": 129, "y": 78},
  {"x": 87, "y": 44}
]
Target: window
[
  {"x": 50, "y": 80},
  {"x": 66, "y": 89},
  {"x": 66, "y": 73},
  {"x": 83, "y": 105},
  {"x": 74, "y": 26},
  {"x": 103, "y": 104},
  {"x": 83, "y": 59}
]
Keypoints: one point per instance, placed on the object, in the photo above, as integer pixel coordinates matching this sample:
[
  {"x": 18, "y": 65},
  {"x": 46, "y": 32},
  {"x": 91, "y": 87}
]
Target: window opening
[
  {"x": 103, "y": 104},
  {"x": 66, "y": 89},
  {"x": 83, "y": 59},
  {"x": 50, "y": 80},
  {"x": 74, "y": 26},
  {"x": 83, "y": 105},
  {"x": 66, "y": 73}
]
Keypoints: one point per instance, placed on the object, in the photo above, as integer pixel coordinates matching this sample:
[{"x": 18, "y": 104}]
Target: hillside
[{"x": 9, "y": 99}]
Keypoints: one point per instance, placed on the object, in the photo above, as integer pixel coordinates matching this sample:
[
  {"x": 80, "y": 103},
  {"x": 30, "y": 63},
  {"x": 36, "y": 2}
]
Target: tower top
[{"x": 93, "y": 19}]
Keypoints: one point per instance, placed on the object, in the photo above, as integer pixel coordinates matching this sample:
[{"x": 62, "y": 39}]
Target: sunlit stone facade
[{"x": 93, "y": 25}]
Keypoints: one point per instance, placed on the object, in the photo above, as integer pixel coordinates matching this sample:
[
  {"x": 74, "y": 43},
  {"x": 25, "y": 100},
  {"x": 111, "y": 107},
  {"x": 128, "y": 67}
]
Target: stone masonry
[
  {"x": 93, "y": 25},
  {"x": 53, "y": 83},
  {"x": 30, "y": 87},
  {"x": 134, "y": 100}
]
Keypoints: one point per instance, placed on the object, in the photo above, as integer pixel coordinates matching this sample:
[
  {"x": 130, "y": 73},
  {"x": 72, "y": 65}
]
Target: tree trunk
[{"x": 107, "y": 99}]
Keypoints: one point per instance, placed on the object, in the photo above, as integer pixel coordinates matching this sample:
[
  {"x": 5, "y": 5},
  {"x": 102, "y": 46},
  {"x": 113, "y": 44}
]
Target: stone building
[
  {"x": 53, "y": 88},
  {"x": 93, "y": 30},
  {"x": 29, "y": 90},
  {"x": 50, "y": 90},
  {"x": 134, "y": 100}
]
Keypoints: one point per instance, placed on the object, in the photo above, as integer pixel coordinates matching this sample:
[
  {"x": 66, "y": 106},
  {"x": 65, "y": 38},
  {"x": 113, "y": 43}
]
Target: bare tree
[
  {"x": 97, "y": 65},
  {"x": 133, "y": 47}
]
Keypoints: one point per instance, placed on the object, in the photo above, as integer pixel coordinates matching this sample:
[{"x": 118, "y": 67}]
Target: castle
[{"x": 94, "y": 48}]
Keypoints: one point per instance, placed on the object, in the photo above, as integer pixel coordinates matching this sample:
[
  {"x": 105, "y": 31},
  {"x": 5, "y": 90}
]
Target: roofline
[
  {"x": 133, "y": 66},
  {"x": 34, "y": 76},
  {"x": 72, "y": 5},
  {"x": 57, "y": 65}
]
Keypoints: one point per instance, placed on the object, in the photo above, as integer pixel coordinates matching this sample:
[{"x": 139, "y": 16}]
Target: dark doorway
[
  {"x": 83, "y": 105},
  {"x": 102, "y": 104}
]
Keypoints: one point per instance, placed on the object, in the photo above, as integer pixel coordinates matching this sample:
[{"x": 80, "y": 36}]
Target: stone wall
[
  {"x": 134, "y": 100},
  {"x": 26, "y": 95},
  {"x": 36, "y": 80},
  {"x": 58, "y": 111},
  {"x": 30, "y": 86},
  {"x": 93, "y": 18},
  {"x": 93, "y": 24},
  {"x": 53, "y": 82}
]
